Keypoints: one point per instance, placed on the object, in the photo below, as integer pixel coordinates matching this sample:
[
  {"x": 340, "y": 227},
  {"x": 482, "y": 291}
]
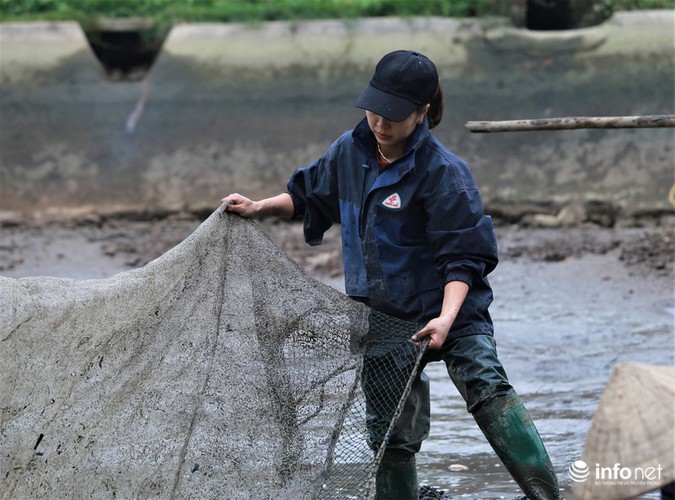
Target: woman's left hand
[
  {"x": 454, "y": 293},
  {"x": 437, "y": 329}
]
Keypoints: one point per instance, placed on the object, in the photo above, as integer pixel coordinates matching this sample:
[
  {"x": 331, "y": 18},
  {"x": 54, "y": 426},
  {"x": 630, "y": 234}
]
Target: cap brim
[{"x": 389, "y": 106}]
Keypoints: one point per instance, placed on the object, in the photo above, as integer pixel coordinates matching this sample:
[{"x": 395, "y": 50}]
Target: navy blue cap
[{"x": 403, "y": 81}]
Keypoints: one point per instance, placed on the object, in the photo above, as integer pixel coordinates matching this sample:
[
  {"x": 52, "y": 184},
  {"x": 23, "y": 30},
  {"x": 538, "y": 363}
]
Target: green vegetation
[{"x": 266, "y": 10}]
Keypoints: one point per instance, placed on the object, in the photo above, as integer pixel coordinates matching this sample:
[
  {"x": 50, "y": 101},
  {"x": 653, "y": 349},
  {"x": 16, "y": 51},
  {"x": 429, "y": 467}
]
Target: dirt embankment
[{"x": 234, "y": 108}]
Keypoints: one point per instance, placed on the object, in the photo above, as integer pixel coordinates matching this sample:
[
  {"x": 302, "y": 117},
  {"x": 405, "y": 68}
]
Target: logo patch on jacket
[{"x": 393, "y": 201}]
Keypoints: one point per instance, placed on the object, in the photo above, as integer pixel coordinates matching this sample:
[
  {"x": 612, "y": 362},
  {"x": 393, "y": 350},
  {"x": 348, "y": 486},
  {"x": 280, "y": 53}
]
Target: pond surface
[{"x": 560, "y": 329}]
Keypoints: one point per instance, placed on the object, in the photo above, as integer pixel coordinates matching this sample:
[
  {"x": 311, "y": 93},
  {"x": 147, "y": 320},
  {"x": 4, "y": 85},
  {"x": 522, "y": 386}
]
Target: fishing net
[
  {"x": 219, "y": 370},
  {"x": 389, "y": 364}
]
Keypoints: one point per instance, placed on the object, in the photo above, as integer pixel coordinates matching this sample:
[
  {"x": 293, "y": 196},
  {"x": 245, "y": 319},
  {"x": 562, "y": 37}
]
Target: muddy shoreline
[{"x": 114, "y": 243}]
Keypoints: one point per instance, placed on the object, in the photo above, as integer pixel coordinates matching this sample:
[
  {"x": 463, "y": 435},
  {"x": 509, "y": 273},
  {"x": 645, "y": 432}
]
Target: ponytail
[{"x": 435, "y": 113}]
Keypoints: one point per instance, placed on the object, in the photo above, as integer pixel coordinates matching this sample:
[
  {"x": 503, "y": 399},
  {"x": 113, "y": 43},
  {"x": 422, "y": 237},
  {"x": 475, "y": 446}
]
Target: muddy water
[{"x": 560, "y": 329}]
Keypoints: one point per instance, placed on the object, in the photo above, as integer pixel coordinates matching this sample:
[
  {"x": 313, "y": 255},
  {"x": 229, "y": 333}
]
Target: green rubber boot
[
  {"x": 512, "y": 434},
  {"x": 397, "y": 477}
]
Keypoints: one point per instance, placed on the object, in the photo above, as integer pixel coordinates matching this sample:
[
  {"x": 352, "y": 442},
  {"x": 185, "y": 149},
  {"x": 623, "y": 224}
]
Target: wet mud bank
[{"x": 102, "y": 245}]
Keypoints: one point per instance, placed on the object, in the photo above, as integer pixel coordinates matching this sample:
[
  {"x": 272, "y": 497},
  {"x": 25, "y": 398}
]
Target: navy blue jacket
[{"x": 407, "y": 229}]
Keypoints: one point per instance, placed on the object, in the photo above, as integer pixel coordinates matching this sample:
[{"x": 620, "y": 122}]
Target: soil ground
[{"x": 97, "y": 247}]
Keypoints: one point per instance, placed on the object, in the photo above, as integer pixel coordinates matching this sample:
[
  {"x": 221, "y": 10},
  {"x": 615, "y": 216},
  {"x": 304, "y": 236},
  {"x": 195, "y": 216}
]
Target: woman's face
[{"x": 394, "y": 134}]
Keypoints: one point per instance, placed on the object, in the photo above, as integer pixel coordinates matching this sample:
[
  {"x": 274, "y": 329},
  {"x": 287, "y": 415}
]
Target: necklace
[{"x": 379, "y": 150}]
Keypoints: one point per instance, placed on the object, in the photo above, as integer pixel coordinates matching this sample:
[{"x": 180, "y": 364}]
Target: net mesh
[
  {"x": 389, "y": 363},
  {"x": 219, "y": 370}
]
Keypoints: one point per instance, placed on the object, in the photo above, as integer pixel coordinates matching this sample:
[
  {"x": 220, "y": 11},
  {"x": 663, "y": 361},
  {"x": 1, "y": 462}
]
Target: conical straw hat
[{"x": 630, "y": 447}]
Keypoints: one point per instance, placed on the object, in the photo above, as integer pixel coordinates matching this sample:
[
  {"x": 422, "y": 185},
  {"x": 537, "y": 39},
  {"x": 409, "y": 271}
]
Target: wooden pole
[{"x": 573, "y": 122}]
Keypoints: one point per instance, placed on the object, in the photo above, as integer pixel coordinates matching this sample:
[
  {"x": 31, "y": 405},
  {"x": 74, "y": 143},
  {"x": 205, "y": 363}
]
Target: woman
[{"x": 417, "y": 246}]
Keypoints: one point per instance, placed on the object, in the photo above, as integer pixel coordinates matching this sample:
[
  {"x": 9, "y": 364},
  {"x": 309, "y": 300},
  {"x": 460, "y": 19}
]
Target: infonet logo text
[{"x": 580, "y": 471}]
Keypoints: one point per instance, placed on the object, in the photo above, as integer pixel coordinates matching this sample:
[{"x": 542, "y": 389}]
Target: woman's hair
[{"x": 435, "y": 113}]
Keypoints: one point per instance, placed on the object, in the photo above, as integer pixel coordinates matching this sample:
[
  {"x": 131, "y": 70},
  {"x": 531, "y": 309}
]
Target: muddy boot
[
  {"x": 511, "y": 433},
  {"x": 397, "y": 477}
]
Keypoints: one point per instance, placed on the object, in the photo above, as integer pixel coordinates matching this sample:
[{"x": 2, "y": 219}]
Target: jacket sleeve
[
  {"x": 315, "y": 196},
  {"x": 462, "y": 237}
]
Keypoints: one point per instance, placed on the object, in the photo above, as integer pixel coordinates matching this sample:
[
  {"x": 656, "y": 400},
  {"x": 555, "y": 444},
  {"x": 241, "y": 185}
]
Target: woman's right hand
[
  {"x": 239, "y": 204},
  {"x": 278, "y": 206}
]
